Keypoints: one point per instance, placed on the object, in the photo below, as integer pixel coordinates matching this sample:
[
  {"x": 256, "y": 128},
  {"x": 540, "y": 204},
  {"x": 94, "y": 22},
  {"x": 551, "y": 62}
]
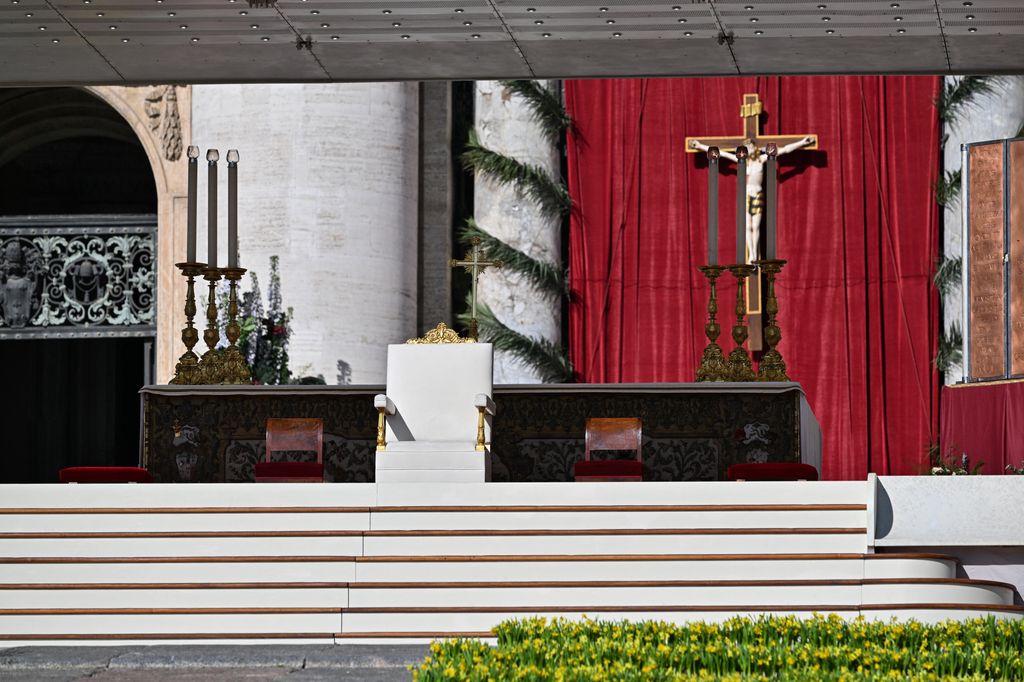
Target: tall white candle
[
  {"x": 212, "y": 155},
  {"x": 193, "y": 173},
  {"x": 232, "y": 208},
  {"x": 741, "y": 205},
  {"x": 713, "y": 206},
  {"x": 771, "y": 176}
]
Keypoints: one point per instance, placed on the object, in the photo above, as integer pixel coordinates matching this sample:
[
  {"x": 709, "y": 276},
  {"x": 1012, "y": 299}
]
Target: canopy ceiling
[{"x": 203, "y": 41}]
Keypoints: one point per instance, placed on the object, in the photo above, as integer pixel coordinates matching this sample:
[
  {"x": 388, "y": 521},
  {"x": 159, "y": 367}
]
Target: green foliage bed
[{"x": 774, "y": 648}]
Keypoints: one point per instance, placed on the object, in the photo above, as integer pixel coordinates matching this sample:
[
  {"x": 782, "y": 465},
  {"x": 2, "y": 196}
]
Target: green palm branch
[
  {"x": 546, "y": 106},
  {"x": 951, "y": 348},
  {"x": 549, "y": 359},
  {"x": 958, "y": 96},
  {"x": 548, "y": 278},
  {"x": 534, "y": 182},
  {"x": 949, "y": 274}
]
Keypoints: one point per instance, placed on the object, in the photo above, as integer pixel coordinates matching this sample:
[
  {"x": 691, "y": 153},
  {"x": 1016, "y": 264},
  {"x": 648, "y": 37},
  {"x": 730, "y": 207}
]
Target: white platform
[
  {"x": 433, "y": 465},
  {"x": 309, "y": 562}
]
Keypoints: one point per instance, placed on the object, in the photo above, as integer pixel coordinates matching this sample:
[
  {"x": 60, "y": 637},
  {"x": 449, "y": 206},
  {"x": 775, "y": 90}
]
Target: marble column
[
  {"x": 990, "y": 117},
  {"x": 436, "y": 196},
  {"x": 504, "y": 124},
  {"x": 328, "y": 181}
]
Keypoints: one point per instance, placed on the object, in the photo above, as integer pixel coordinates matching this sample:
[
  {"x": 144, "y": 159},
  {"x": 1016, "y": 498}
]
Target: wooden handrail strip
[
  {"x": 647, "y": 608},
  {"x": 117, "y": 535},
  {"x": 185, "y": 510},
  {"x": 171, "y": 611},
  {"x": 824, "y": 582},
  {"x": 172, "y": 635},
  {"x": 173, "y": 586},
  {"x": 526, "y": 532},
  {"x": 433, "y": 634},
  {"x": 934, "y": 581},
  {"x": 613, "y": 531},
  {"x": 386, "y": 509},
  {"x": 602, "y": 557},
  {"x": 174, "y": 559}
]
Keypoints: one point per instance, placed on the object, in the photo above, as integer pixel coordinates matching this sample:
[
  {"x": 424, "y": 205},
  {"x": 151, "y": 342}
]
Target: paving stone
[
  {"x": 367, "y": 656},
  {"x": 41, "y": 657},
  {"x": 214, "y": 656}
]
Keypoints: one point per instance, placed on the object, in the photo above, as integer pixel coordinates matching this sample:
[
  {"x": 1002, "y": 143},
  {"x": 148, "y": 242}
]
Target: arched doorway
[{"x": 78, "y": 208}]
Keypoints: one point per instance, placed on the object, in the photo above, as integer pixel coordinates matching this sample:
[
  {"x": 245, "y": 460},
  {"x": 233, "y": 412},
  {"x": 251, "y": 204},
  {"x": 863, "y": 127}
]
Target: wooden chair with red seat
[
  {"x": 293, "y": 435},
  {"x": 603, "y": 433}
]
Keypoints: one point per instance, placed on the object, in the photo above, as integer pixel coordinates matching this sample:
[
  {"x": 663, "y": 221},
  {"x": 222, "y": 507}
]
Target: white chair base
[{"x": 433, "y": 467}]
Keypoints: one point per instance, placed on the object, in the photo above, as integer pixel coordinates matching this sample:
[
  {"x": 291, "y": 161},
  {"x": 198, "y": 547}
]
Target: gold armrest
[
  {"x": 480, "y": 444},
  {"x": 381, "y": 443}
]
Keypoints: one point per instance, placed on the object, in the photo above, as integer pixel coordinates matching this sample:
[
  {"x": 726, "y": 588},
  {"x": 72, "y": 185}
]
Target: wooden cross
[
  {"x": 474, "y": 265},
  {"x": 750, "y": 112}
]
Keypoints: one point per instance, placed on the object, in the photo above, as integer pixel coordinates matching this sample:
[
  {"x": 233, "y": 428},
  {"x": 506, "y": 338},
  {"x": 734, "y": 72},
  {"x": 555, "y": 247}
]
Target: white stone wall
[
  {"x": 504, "y": 124},
  {"x": 991, "y": 117},
  {"x": 327, "y": 181}
]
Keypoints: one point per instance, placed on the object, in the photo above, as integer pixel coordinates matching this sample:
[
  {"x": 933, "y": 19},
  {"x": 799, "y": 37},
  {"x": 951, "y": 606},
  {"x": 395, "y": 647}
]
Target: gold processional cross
[
  {"x": 474, "y": 264},
  {"x": 750, "y": 112}
]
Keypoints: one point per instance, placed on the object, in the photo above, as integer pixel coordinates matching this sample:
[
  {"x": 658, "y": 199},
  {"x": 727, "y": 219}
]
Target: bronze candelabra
[
  {"x": 739, "y": 366},
  {"x": 772, "y": 367},
  {"x": 187, "y": 370},
  {"x": 211, "y": 364},
  {"x": 712, "y": 362},
  {"x": 234, "y": 368}
]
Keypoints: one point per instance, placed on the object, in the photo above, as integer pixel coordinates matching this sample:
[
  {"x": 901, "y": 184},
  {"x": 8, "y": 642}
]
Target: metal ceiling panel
[{"x": 203, "y": 41}]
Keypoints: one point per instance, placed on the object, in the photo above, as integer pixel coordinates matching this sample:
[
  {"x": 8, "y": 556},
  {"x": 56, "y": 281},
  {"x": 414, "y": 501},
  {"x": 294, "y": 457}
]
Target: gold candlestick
[
  {"x": 210, "y": 363},
  {"x": 712, "y": 363},
  {"x": 234, "y": 368},
  {"x": 772, "y": 367},
  {"x": 187, "y": 370},
  {"x": 740, "y": 367}
]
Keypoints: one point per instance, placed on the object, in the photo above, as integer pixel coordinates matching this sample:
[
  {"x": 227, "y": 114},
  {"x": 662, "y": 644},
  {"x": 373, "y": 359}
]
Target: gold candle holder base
[
  {"x": 234, "y": 369},
  {"x": 712, "y": 363},
  {"x": 210, "y": 364},
  {"x": 740, "y": 368},
  {"x": 187, "y": 371},
  {"x": 772, "y": 367}
]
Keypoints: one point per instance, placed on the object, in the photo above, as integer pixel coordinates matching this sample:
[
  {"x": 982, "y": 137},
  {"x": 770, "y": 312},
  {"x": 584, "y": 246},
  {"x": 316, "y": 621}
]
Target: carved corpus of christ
[{"x": 756, "y": 159}]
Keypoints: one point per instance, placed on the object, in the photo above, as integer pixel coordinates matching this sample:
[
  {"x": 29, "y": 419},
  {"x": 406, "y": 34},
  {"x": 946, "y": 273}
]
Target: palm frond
[
  {"x": 947, "y": 188},
  {"x": 546, "y": 108},
  {"x": 534, "y": 182},
  {"x": 1020, "y": 130},
  {"x": 547, "y": 277},
  {"x": 951, "y": 348},
  {"x": 949, "y": 274},
  {"x": 548, "y": 359},
  {"x": 958, "y": 95}
]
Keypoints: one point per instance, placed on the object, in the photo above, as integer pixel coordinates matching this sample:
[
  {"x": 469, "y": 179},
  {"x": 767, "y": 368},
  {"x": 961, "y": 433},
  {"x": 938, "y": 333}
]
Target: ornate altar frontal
[{"x": 692, "y": 432}]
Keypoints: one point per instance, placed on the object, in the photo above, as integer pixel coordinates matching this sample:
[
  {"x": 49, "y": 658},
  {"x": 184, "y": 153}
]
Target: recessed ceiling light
[
  {"x": 42, "y": 28},
  {"x": 325, "y": 25},
  {"x": 172, "y": 14},
  {"x": 602, "y": 9},
  {"x": 616, "y": 35},
  {"x": 99, "y": 14},
  {"x": 969, "y": 17},
  {"x": 459, "y": 10},
  {"x": 405, "y": 37},
  {"x": 194, "y": 40},
  {"x": 609, "y": 21},
  {"x": 113, "y": 28},
  {"x": 335, "y": 37},
  {"x": 688, "y": 33},
  {"x": 749, "y": 7},
  {"x": 314, "y": 11},
  {"x": 822, "y": 6},
  {"x": 753, "y": 20},
  {"x": 546, "y": 35},
  {"x": 28, "y": 14},
  {"x": 972, "y": 29},
  {"x": 895, "y": 5},
  {"x": 387, "y": 11},
  {"x": 265, "y": 39},
  {"x": 531, "y": 9},
  {"x": 681, "y": 20},
  {"x": 897, "y": 18},
  {"x": 830, "y": 31},
  {"x": 758, "y": 32},
  {"x": 396, "y": 24},
  {"x": 124, "y": 40},
  {"x": 676, "y": 7},
  {"x": 183, "y": 27},
  {"x": 968, "y": 3},
  {"x": 244, "y": 13},
  {"x": 254, "y": 25},
  {"x": 55, "y": 41},
  {"x": 470, "y": 23},
  {"x": 901, "y": 30}
]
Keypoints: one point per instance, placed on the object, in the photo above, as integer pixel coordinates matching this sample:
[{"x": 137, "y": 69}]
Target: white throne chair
[{"x": 434, "y": 422}]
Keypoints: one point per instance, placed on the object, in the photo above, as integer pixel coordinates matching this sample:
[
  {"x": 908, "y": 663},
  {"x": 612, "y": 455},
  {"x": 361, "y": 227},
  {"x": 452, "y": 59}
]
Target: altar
[{"x": 692, "y": 432}]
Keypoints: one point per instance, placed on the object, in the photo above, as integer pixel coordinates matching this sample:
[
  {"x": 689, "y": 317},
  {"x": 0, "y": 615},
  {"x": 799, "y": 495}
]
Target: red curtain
[{"x": 857, "y": 222}]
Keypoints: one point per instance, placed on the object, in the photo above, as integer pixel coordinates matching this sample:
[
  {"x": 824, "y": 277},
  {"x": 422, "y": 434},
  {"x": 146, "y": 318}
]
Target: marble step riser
[
  {"x": 171, "y": 623},
  {"x": 782, "y": 569},
  {"x": 506, "y": 596},
  {"x": 427, "y": 520},
  {"x": 614, "y": 544},
  {"x": 176, "y": 547},
  {"x": 480, "y": 622},
  {"x": 469, "y": 571}
]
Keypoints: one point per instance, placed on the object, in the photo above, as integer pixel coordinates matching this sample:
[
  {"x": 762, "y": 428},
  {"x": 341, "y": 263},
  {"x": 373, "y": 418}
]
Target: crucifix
[
  {"x": 474, "y": 264},
  {"x": 748, "y": 246}
]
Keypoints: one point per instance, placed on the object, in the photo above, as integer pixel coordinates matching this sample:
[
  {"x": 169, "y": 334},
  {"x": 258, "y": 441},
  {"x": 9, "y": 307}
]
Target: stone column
[
  {"x": 990, "y": 117},
  {"x": 504, "y": 124},
  {"x": 436, "y": 190},
  {"x": 328, "y": 180}
]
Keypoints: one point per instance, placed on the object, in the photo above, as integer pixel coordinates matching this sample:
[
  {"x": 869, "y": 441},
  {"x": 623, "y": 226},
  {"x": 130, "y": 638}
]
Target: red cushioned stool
[
  {"x": 104, "y": 475},
  {"x": 772, "y": 471}
]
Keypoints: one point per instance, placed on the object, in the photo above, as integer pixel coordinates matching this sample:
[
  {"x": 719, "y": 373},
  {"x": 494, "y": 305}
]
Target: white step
[
  {"x": 452, "y": 545},
  {"x": 174, "y": 598},
  {"x": 183, "y": 546},
  {"x": 553, "y": 517},
  {"x": 139, "y": 624},
  {"x": 161, "y": 520},
  {"x": 184, "y": 571}
]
